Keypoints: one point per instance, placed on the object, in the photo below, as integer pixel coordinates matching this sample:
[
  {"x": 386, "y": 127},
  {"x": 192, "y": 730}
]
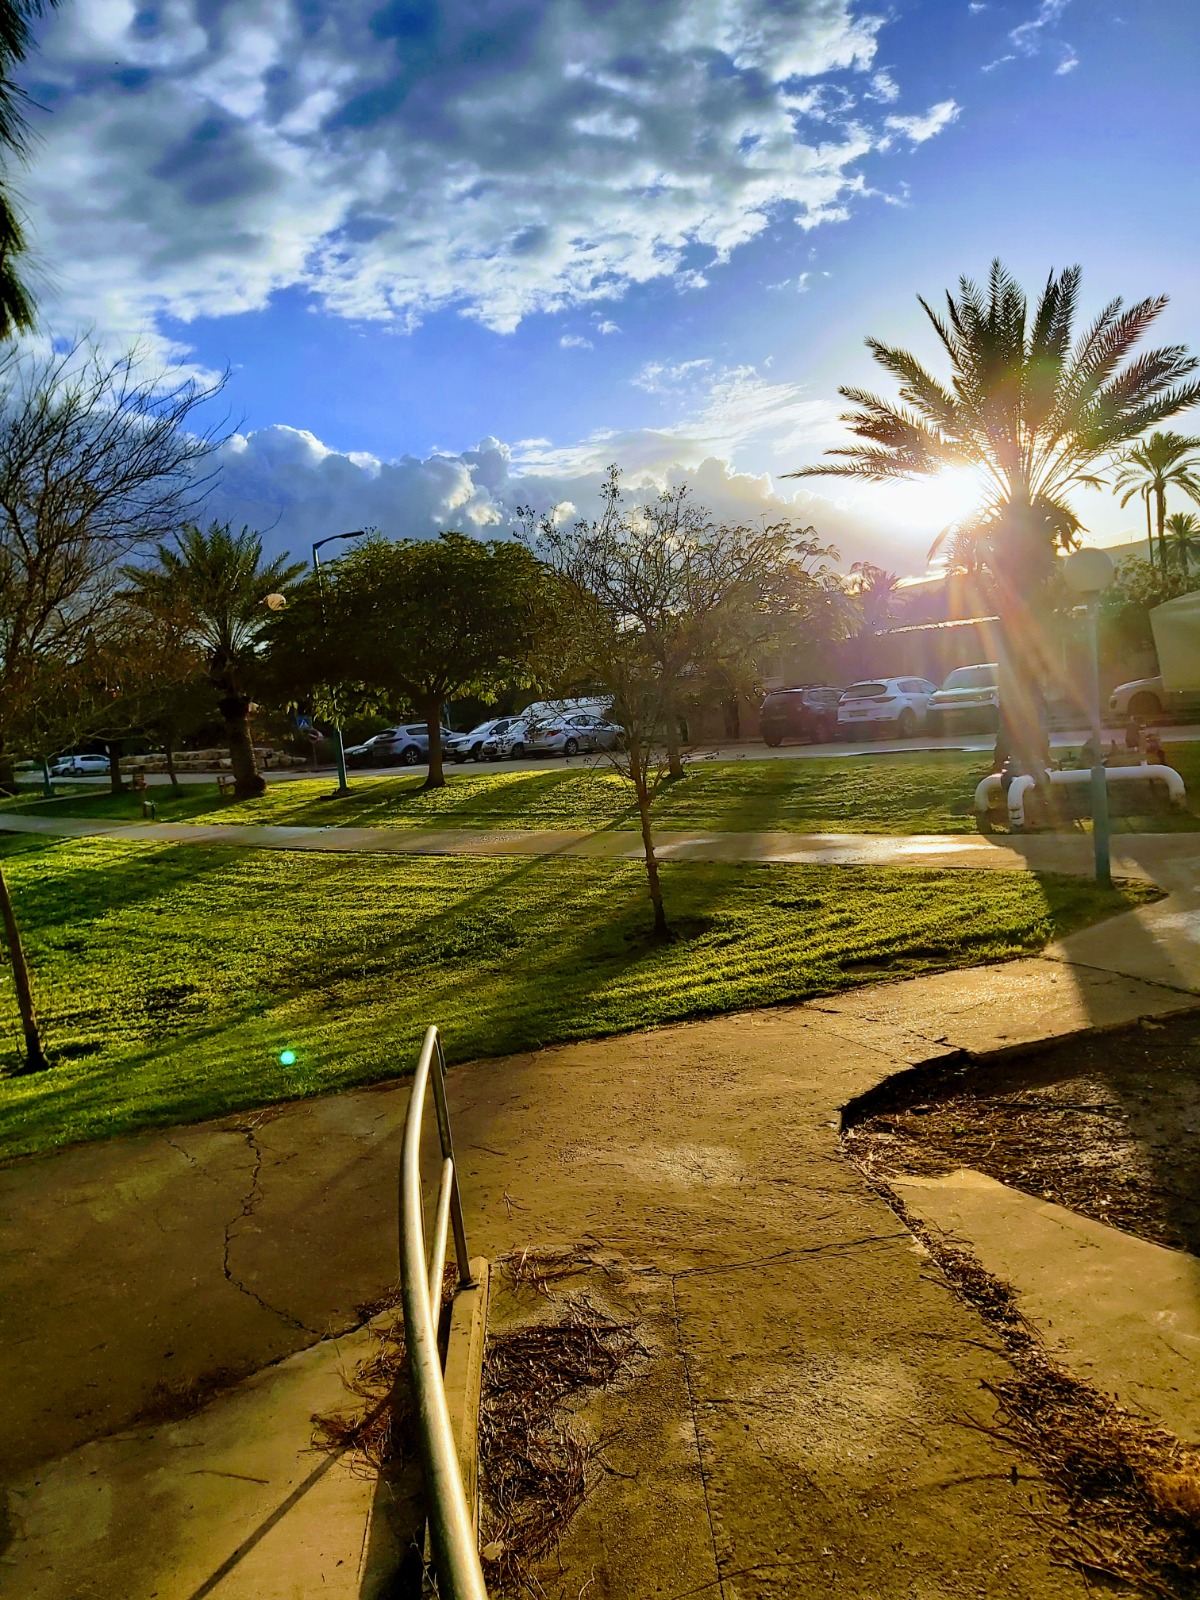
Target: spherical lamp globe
[
  {"x": 275, "y": 602},
  {"x": 1087, "y": 572}
]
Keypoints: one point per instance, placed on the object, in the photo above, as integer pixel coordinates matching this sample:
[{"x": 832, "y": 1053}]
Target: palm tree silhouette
[
  {"x": 16, "y": 16},
  {"x": 1036, "y": 410},
  {"x": 218, "y": 581},
  {"x": 1181, "y": 537},
  {"x": 1163, "y": 461}
]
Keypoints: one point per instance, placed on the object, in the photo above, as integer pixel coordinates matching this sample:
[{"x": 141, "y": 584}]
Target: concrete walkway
[
  {"x": 1172, "y": 859},
  {"x": 800, "y": 1424}
]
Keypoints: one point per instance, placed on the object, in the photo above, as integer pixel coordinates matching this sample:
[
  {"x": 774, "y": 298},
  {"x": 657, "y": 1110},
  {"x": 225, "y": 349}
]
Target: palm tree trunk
[
  {"x": 1020, "y": 574},
  {"x": 35, "y": 1057},
  {"x": 1149, "y": 529},
  {"x": 1160, "y": 498},
  {"x": 435, "y": 778},
  {"x": 248, "y": 782}
]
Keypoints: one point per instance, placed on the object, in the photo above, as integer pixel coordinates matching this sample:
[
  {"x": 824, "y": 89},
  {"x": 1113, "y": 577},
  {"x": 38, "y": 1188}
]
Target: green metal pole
[
  {"x": 339, "y": 747},
  {"x": 1100, "y": 828}
]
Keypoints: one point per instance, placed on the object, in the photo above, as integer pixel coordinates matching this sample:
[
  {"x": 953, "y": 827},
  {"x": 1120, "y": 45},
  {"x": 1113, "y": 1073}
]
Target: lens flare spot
[{"x": 287, "y": 1058}]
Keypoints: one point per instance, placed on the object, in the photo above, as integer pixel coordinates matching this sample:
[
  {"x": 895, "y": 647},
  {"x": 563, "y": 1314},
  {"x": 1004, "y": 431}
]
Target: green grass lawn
[
  {"x": 170, "y": 978},
  {"x": 918, "y": 793}
]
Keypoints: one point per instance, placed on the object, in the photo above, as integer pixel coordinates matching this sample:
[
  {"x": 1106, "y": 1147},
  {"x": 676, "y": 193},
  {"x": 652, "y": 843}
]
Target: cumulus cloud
[
  {"x": 288, "y": 484},
  {"x": 395, "y": 158}
]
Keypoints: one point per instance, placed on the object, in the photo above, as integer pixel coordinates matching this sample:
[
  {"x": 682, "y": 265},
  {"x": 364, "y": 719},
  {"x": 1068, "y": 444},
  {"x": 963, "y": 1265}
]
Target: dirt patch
[
  {"x": 1131, "y": 1490},
  {"x": 1108, "y": 1125}
]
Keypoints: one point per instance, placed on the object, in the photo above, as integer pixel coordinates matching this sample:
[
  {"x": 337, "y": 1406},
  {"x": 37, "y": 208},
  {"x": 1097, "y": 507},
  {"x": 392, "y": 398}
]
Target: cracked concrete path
[{"x": 825, "y": 1370}]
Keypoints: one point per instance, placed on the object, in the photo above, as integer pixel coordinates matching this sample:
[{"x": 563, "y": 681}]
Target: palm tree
[
  {"x": 1036, "y": 411},
  {"x": 1181, "y": 535},
  {"x": 16, "y": 16},
  {"x": 217, "y": 579},
  {"x": 1163, "y": 461}
]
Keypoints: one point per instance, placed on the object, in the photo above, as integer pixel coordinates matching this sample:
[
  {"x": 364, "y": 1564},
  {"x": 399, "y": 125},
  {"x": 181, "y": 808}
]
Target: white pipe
[
  {"x": 1020, "y": 787},
  {"x": 983, "y": 792}
]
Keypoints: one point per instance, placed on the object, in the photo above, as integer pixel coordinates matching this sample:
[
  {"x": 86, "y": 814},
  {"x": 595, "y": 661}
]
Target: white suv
[
  {"x": 969, "y": 693},
  {"x": 899, "y": 703}
]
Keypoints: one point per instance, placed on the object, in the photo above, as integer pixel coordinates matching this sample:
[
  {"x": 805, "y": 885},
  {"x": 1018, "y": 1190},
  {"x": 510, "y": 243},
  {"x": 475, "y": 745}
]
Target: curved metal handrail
[{"x": 451, "y": 1525}]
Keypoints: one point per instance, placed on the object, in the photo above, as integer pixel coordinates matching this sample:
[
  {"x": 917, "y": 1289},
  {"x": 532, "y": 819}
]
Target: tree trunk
[
  {"x": 35, "y": 1058},
  {"x": 169, "y": 747},
  {"x": 1024, "y": 663},
  {"x": 8, "y": 776},
  {"x": 436, "y": 777},
  {"x": 637, "y": 772},
  {"x": 115, "y": 780},
  {"x": 674, "y": 752},
  {"x": 248, "y": 782},
  {"x": 1149, "y": 529},
  {"x": 1160, "y": 496}
]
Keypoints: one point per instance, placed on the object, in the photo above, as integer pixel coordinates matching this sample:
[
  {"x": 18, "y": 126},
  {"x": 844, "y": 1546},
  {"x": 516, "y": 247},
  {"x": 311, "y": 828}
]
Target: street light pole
[
  {"x": 339, "y": 747},
  {"x": 1089, "y": 573}
]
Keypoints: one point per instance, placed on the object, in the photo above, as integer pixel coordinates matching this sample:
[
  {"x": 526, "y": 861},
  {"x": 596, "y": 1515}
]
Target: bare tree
[
  {"x": 664, "y": 598},
  {"x": 97, "y": 460}
]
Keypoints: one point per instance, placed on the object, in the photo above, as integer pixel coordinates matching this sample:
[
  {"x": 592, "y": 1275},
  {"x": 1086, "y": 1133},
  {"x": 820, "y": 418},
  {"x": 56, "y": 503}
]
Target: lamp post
[
  {"x": 339, "y": 747},
  {"x": 1088, "y": 573}
]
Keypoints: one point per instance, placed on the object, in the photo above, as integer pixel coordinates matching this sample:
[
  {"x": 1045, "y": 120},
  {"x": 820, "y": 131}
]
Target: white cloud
[
  {"x": 1028, "y": 38},
  {"x": 607, "y": 327},
  {"x": 573, "y": 341},
  {"x": 393, "y": 159},
  {"x": 923, "y": 127},
  {"x": 287, "y": 483}
]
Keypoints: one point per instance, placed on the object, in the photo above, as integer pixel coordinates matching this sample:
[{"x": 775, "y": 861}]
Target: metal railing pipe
[{"x": 451, "y": 1525}]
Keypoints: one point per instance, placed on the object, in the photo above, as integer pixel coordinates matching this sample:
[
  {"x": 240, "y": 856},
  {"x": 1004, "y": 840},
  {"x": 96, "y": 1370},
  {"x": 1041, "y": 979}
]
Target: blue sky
[{"x": 655, "y": 231}]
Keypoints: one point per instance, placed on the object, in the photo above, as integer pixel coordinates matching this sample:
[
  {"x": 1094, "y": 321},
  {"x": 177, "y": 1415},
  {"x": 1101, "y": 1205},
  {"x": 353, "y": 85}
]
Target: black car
[{"x": 809, "y": 712}]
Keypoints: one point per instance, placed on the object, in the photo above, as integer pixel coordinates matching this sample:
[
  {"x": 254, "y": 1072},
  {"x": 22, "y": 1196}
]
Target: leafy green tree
[
  {"x": 217, "y": 582},
  {"x": 16, "y": 303},
  {"x": 415, "y": 623},
  {"x": 1181, "y": 538},
  {"x": 1126, "y": 604},
  {"x": 1163, "y": 461},
  {"x": 1036, "y": 410}
]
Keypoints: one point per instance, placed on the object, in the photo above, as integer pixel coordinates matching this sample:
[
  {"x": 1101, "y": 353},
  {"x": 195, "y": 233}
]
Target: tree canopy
[{"x": 418, "y": 622}]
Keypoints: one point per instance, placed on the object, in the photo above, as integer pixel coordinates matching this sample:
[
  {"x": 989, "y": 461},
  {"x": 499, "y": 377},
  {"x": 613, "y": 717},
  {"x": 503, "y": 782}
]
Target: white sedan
[
  {"x": 79, "y": 766},
  {"x": 896, "y": 703},
  {"x": 567, "y": 736}
]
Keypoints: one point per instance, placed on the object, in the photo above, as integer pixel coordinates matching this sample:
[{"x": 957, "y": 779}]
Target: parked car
[
  {"x": 546, "y": 710},
  {"x": 899, "y": 703},
  {"x": 407, "y": 744},
  {"x": 567, "y": 736},
  {"x": 969, "y": 694},
  {"x": 469, "y": 746},
  {"x": 79, "y": 766},
  {"x": 508, "y": 741},
  {"x": 1149, "y": 701},
  {"x": 809, "y": 712}
]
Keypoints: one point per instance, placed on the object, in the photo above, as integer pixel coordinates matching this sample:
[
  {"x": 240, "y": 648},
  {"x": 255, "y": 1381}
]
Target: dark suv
[{"x": 810, "y": 712}]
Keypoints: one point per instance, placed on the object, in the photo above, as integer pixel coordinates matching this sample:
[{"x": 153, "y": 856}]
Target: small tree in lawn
[
  {"x": 214, "y": 584},
  {"x": 707, "y": 599},
  {"x": 417, "y": 622},
  {"x": 662, "y": 598}
]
